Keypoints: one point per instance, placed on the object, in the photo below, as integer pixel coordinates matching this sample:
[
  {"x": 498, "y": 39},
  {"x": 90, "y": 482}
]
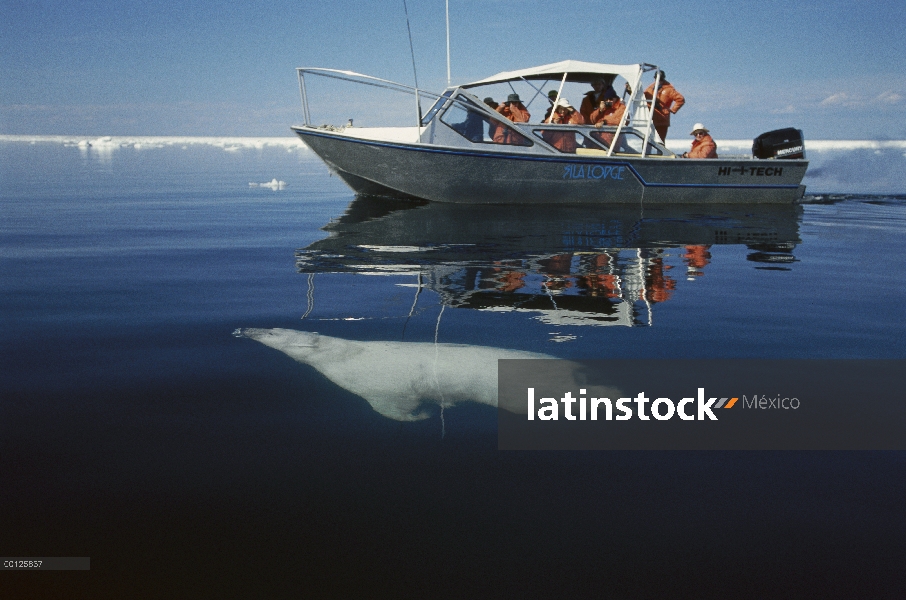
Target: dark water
[{"x": 186, "y": 462}]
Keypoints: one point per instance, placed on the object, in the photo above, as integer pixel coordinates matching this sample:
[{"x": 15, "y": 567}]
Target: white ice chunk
[
  {"x": 273, "y": 184},
  {"x": 148, "y": 141}
]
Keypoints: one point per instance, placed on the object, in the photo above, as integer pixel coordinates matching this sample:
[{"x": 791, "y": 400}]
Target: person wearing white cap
[
  {"x": 564, "y": 114},
  {"x": 703, "y": 146}
]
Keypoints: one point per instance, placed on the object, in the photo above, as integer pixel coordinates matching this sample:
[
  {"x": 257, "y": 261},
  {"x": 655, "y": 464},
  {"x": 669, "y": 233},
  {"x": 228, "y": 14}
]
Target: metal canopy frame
[
  {"x": 447, "y": 97},
  {"x": 636, "y": 105}
]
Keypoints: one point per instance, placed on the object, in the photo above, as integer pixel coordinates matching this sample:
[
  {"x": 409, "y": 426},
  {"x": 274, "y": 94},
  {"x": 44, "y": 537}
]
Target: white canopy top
[{"x": 577, "y": 71}]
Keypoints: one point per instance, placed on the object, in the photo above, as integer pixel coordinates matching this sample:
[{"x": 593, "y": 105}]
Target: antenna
[
  {"x": 411, "y": 49},
  {"x": 448, "y": 43},
  {"x": 418, "y": 104}
]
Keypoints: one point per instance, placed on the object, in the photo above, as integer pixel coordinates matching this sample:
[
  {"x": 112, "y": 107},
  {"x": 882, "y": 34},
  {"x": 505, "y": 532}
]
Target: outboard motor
[{"x": 781, "y": 143}]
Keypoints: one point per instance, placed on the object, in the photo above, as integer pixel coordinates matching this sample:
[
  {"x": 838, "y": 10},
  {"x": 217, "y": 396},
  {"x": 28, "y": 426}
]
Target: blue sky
[{"x": 837, "y": 70}]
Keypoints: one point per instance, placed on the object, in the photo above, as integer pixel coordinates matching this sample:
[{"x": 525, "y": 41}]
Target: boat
[{"x": 449, "y": 153}]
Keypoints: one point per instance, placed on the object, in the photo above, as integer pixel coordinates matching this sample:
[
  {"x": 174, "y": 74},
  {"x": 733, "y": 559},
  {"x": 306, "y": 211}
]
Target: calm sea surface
[{"x": 140, "y": 428}]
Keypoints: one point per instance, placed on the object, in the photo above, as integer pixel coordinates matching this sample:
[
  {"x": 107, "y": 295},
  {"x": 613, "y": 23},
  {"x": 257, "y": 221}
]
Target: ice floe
[
  {"x": 139, "y": 142},
  {"x": 273, "y": 184}
]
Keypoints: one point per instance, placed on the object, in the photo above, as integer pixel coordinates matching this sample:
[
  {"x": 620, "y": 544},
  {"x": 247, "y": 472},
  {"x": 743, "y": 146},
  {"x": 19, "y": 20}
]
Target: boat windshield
[
  {"x": 466, "y": 119},
  {"x": 438, "y": 104}
]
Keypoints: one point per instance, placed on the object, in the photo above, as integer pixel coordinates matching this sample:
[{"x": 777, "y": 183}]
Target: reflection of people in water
[
  {"x": 558, "y": 269},
  {"x": 599, "y": 279},
  {"x": 658, "y": 287},
  {"x": 508, "y": 277},
  {"x": 606, "y": 285},
  {"x": 511, "y": 281},
  {"x": 696, "y": 257},
  {"x": 596, "y": 276}
]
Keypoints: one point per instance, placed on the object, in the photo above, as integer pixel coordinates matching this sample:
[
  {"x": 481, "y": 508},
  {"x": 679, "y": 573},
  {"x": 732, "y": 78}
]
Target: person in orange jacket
[
  {"x": 668, "y": 102},
  {"x": 552, "y": 98},
  {"x": 703, "y": 146},
  {"x": 565, "y": 114},
  {"x": 493, "y": 127},
  {"x": 602, "y": 89},
  {"x": 515, "y": 111},
  {"x": 610, "y": 112}
]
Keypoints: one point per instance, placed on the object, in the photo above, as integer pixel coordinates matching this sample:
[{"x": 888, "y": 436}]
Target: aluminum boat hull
[{"x": 468, "y": 176}]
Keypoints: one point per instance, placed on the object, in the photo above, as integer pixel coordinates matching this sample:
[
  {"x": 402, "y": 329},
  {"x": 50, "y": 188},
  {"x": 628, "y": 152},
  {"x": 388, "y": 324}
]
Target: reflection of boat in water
[
  {"x": 463, "y": 151},
  {"x": 566, "y": 265}
]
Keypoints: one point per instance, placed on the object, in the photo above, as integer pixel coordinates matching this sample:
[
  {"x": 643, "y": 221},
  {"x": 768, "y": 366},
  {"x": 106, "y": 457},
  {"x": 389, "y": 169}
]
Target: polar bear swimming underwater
[{"x": 397, "y": 378}]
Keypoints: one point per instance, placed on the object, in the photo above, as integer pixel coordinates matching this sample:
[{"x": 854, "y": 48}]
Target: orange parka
[
  {"x": 609, "y": 116},
  {"x": 703, "y": 148},
  {"x": 515, "y": 112},
  {"x": 668, "y": 102},
  {"x": 591, "y": 101},
  {"x": 564, "y": 141}
]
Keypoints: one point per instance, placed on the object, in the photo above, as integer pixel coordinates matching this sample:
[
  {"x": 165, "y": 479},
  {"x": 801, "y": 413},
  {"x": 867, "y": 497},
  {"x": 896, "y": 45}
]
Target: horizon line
[{"x": 87, "y": 140}]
